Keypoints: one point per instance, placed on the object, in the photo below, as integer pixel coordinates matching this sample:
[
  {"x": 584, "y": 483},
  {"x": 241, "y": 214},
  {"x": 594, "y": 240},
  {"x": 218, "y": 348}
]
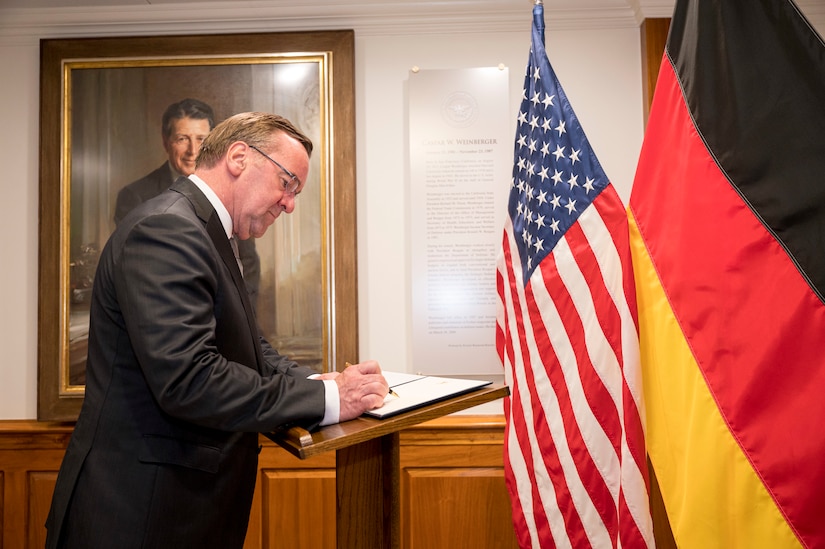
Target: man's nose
[{"x": 288, "y": 202}]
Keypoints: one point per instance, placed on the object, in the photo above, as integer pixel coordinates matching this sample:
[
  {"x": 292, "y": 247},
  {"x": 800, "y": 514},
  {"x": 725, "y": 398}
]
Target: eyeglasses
[{"x": 289, "y": 186}]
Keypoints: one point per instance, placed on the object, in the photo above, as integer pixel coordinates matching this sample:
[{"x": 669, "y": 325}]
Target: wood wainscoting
[{"x": 452, "y": 488}]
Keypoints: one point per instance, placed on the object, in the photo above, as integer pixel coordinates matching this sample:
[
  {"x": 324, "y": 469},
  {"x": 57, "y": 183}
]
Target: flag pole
[{"x": 538, "y": 18}]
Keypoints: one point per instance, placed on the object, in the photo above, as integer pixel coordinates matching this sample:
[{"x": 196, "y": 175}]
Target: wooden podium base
[{"x": 367, "y": 466}]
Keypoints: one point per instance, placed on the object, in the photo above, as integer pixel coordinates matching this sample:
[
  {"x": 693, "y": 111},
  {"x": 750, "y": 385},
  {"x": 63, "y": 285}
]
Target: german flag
[{"x": 727, "y": 222}]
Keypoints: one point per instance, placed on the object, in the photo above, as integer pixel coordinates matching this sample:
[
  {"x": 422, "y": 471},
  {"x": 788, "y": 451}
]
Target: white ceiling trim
[
  {"x": 22, "y": 18},
  {"x": 374, "y": 19}
]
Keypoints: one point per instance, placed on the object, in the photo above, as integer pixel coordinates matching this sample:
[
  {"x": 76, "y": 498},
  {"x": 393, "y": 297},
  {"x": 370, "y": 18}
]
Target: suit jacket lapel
[{"x": 209, "y": 216}]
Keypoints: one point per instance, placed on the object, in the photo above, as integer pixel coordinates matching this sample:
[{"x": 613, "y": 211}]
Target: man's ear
[{"x": 237, "y": 158}]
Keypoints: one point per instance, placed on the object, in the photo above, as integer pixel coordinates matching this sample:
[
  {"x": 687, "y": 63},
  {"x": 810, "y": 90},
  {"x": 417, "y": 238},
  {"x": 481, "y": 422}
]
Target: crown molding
[
  {"x": 378, "y": 18},
  {"x": 23, "y": 21}
]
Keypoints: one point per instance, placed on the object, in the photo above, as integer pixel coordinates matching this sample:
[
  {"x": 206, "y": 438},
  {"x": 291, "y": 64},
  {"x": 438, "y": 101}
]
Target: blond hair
[{"x": 253, "y": 128}]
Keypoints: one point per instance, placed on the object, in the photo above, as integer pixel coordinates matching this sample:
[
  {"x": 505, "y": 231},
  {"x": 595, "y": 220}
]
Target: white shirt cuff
[{"x": 332, "y": 404}]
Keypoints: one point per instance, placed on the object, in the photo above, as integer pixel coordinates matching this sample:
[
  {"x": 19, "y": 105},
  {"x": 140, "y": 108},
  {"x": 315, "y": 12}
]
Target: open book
[{"x": 409, "y": 391}]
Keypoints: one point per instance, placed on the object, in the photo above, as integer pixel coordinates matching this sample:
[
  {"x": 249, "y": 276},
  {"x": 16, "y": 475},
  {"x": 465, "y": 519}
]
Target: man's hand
[{"x": 361, "y": 387}]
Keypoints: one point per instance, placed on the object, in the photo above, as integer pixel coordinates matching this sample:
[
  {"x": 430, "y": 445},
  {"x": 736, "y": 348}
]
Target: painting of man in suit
[{"x": 126, "y": 148}]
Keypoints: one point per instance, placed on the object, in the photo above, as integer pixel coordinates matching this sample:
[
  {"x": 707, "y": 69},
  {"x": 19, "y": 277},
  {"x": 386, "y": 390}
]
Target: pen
[{"x": 393, "y": 393}]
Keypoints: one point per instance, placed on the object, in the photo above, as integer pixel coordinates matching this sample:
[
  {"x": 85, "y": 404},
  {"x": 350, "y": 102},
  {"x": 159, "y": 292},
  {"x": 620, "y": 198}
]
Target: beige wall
[{"x": 597, "y": 58}]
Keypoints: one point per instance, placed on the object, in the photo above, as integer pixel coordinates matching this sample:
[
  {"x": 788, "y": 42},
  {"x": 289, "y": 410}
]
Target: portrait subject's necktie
[{"x": 234, "y": 243}]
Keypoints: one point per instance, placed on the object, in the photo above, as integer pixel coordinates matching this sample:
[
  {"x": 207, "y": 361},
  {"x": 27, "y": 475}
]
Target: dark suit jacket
[
  {"x": 138, "y": 192},
  {"x": 179, "y": 383},
  {"x": 154, "y": 183}
]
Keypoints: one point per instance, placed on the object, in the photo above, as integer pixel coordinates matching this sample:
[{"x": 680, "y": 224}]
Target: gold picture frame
[{"x": 100, "y": 115}]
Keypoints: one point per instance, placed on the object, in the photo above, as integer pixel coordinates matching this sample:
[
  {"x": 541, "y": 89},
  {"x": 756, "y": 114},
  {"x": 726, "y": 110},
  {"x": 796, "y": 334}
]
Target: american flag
[{"x": 575, "y": 463}]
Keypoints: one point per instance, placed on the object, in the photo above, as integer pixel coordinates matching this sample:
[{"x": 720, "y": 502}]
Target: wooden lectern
[{"x": 367, "y": 467}]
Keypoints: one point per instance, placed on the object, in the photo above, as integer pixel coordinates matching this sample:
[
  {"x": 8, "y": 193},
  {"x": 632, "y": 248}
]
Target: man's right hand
[{"x": 361, "y": 387}]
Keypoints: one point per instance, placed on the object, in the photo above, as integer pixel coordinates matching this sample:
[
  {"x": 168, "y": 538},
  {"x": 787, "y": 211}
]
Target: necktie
[{"x": 234, "y": 243}]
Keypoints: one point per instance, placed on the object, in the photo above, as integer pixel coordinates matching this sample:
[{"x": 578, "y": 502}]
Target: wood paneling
[
  {"x": 452, "y": 485},
  {"x": 452, "y": 488},
  {"x": 437, "y": 511},
  {"x": 41, "y": 487},
  {"x": 30, "y": 455},
  {"x": 298, "y": 508},
  {"x": 653, "y": 37},
  {"x": 276, "y": 517},
  {"x": 2, "y": 499}
]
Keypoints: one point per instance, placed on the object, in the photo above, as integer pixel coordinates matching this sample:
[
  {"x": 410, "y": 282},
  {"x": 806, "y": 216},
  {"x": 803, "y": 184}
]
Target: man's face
[
  {"x": 184, "y": 142},
  {"x": 261, "y": 195}
]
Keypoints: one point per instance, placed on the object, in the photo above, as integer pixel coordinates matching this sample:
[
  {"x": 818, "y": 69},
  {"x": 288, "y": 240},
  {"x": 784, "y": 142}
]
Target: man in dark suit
[
  {"x": 184, "y": 126},
  {"x": 179, "y": 381}
]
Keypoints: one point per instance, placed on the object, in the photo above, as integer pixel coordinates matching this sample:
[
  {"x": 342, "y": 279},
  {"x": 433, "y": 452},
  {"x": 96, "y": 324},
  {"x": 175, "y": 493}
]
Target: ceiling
[
  {"x": 647, "y": 8},
  {"x": 21, "y": 18},
  {"x": 18, "y": 17},
  {"x": 549, "y": 4}
]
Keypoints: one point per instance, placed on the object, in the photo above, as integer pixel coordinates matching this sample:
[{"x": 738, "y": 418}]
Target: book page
[{"x": 412, "y": 391}]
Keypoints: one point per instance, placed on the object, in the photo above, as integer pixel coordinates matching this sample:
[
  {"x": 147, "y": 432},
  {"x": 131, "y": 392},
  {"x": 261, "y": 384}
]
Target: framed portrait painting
[{"x": 102, "y": 104}]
